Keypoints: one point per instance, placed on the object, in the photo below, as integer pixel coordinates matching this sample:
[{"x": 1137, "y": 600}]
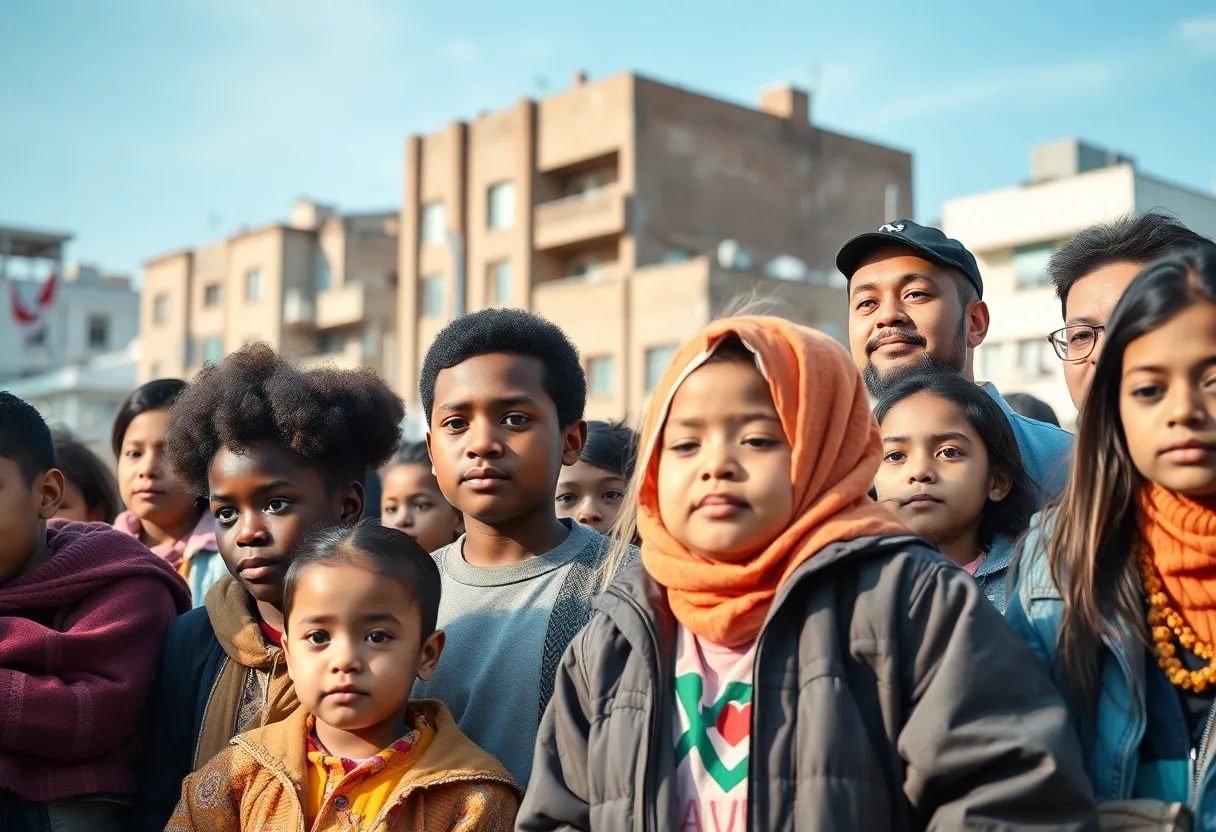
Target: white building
[
  {"x": 1013, "y": 232},
  {"x": 83, "y": 397},
  {"x": 53, "y": 316},
  {"x": 67, "y": 334}
]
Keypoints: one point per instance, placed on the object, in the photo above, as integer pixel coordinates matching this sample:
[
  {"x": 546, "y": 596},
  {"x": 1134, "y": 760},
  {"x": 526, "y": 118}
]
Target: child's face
[
  {"x": 148, "y": 487},
  {"x": 354, "y": 647},
  {"x": 590, "y": 495},
  {"x": 1167, "y": 398},
  {"x": 725, "y": 490},
  {"x": 24, "y": 510},
  {"x": 935, "y": 471},
  {"x": 265, "y": 501},
  {"x": 410, "y": 500},
  {"x": 495, "y": 440}
]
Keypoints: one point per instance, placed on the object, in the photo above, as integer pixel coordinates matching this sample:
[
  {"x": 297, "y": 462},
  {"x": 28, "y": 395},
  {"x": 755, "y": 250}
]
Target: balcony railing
[{"x": 575, "y": 219}]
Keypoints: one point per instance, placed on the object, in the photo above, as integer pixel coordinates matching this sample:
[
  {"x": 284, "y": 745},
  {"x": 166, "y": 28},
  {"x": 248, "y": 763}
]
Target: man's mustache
[{"x": 902, "y": 334}]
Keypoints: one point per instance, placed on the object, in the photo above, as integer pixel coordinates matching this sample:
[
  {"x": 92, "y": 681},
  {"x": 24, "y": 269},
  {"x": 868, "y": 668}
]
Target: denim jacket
[{"x": 1111, "y": 738}]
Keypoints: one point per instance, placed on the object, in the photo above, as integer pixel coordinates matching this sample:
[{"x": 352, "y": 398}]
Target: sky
[{"x": 143, "y": 126}]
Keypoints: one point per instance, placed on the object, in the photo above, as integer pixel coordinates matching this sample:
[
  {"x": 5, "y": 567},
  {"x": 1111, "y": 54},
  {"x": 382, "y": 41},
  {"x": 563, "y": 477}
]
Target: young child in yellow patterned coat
[{"x": 360, "y": 604}]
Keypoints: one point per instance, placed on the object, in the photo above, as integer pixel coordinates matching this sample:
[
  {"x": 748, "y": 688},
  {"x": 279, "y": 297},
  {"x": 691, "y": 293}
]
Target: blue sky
[{"x": 144, "y": 125}]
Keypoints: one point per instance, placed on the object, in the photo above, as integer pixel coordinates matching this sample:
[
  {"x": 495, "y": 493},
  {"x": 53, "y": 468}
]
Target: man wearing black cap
[{"x": 915, "y": 301}]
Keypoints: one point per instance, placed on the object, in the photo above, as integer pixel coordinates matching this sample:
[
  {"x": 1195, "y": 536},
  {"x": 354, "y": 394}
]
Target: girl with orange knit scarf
[
  {"x": 784, "y": 649},
  {"x": 1118, "y": 592}
]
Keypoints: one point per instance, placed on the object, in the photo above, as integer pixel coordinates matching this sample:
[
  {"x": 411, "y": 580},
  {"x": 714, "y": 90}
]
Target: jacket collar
[
  {"x": 449, "y": 757},
  {"x": 634, "y": 592}
]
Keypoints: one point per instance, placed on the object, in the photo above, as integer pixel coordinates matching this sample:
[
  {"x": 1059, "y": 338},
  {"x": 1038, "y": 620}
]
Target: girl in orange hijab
[{"x": 785, "y": 649}]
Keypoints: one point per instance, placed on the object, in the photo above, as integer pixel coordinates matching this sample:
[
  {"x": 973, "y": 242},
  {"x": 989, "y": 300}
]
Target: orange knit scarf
[
  {"x": 836, "y": 450},
  {"x": 1182, "y": 536}
]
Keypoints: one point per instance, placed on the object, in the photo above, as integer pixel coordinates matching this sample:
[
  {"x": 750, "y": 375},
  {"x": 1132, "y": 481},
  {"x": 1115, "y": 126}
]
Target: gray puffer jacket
[{"x": 889, "y": 694}]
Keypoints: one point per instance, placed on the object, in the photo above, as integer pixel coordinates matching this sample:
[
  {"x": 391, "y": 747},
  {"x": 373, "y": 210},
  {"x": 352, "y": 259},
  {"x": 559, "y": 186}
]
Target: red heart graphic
[{"x": 734, "y": 723}]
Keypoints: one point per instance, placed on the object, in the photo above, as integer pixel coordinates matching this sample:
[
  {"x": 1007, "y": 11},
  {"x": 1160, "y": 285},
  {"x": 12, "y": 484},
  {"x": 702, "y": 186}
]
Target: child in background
[
  {"x": 410, "y": 500},
  {"x": 359, "y": 607},
  {"x": 952, "y": 472},
  {"x": 83, "y": 613},
  {"x": 777, "y": 609},
  {"x": 591, "y": 490},
  {"x": 90, "y": 492},
  {"x": 1127, "y": 557},
  {"x": 504, "y": 394},
  {"x": 160, "y": 512},
  {"x": 277, "y": 451}
]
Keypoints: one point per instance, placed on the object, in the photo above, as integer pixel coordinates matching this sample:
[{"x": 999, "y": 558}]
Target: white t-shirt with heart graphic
[{"x": 713, "y": 687}]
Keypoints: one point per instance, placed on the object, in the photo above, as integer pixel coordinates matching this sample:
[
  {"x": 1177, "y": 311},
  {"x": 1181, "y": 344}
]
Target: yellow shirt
[{"x": 359, "y": 789}]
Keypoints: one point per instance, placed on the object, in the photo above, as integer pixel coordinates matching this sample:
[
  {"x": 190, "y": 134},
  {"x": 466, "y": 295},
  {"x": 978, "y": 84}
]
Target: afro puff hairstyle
[
  {"x": 513, "y": 332},
  {"x": 341, "y": 422}
]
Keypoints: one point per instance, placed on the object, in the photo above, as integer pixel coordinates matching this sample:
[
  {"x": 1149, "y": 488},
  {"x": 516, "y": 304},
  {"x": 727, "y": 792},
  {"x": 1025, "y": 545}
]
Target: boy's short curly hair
[
  {"x": 341, "y": 421},
  {"x": 514, "y": 332}
]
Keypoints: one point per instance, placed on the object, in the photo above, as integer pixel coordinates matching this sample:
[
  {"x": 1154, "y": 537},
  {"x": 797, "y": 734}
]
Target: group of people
[{"x": 917, "y": 607}]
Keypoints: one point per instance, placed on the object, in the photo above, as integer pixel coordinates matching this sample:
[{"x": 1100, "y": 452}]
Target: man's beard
[{"x": 878, "y": 383}]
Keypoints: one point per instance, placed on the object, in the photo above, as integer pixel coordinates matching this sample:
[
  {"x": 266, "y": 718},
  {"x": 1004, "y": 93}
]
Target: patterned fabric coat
[{"x": 259, "y": 784}]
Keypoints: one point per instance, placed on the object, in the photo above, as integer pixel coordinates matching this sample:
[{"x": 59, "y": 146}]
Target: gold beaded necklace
[{"x": 1164, "y": 624}]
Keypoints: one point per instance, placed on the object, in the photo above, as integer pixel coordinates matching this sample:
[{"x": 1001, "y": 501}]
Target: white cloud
[
  {"x": 1199, "y": 32},
  {"x": 1049, "y": 81}
]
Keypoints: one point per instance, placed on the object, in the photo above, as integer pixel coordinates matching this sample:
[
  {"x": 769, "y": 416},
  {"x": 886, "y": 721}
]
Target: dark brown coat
[{"x": 889, "y": 695}]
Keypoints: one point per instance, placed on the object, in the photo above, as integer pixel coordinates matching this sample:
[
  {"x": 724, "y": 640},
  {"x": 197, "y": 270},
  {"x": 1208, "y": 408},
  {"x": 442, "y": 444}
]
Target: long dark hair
[
  {"x": 155, "y": 395},
  {"x": 1090, "y": 549},
  {"x": 1010, "y": 516},
  {"x": 85, "y": 470}
]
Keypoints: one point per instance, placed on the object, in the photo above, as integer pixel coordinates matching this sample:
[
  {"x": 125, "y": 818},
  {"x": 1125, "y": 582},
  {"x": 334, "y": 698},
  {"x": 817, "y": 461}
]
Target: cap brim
[{"x": 849, "y": 258}]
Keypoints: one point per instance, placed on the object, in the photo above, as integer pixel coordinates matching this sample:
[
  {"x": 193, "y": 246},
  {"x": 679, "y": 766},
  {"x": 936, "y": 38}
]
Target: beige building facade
[
  {"x": 605, "y": 209},
  {"x": 321, "y": 289},
  {"x": 1013, "y": 232}
]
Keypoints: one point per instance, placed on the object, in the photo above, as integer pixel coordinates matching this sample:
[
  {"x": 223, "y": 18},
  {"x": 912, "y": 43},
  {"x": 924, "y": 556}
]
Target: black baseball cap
[{"x": 930, "y": 242}]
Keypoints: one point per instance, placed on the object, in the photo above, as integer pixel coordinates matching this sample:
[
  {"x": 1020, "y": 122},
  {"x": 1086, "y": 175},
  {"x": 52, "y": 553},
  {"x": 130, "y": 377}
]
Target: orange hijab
[{"x": 836, "y": 451}]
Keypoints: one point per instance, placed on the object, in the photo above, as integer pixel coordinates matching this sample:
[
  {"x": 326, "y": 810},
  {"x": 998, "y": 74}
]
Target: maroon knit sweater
[{"x": 80, "y": 639}]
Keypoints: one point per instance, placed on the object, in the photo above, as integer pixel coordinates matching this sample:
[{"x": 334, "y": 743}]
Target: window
[
  {"x": 1030, "y": 265},
  {"x": 434, "y": 224},
  {"x": 99, "y": 332},
  {"x": 502, "y": 205},
  {"x": 590, "y": 269},
  {"x": 991, "y": 360},
  {"x": 324, "y": 275},
  {"x": 211, "y": 295},
  {"x": 160, "y": 309},
  {"x": 1035, "y": 357},
  {"x": 253, "y": 284},
  {"x": 432, "y": 297},
  {"x": 890, "y": 203},
  {"x": 599, "y": 375},
  {"x": 588, "y": 184},
  {"x": 657, "y": 359},
  {"x": 213, "y": 350},
  {"x": 501, "y": 281}
]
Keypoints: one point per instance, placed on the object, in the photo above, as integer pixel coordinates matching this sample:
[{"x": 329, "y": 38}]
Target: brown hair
[{"x": 1091, "y": 548}]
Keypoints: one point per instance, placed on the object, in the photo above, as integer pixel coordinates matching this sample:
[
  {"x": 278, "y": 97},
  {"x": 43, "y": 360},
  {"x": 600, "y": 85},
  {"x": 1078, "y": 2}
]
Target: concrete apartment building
[
  {"x": 320, "y": 288},
  {"x": 605, "y": 208},
  {"x": 1013, "y": 233}
]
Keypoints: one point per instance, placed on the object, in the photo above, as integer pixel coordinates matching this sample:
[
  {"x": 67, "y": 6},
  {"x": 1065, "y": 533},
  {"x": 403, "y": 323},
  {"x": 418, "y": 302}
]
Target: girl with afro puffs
[{"x": 275, "y": 451}]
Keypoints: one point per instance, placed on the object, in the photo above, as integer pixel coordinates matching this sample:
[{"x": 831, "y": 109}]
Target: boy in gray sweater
[{"x": 504, "y": 394}]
